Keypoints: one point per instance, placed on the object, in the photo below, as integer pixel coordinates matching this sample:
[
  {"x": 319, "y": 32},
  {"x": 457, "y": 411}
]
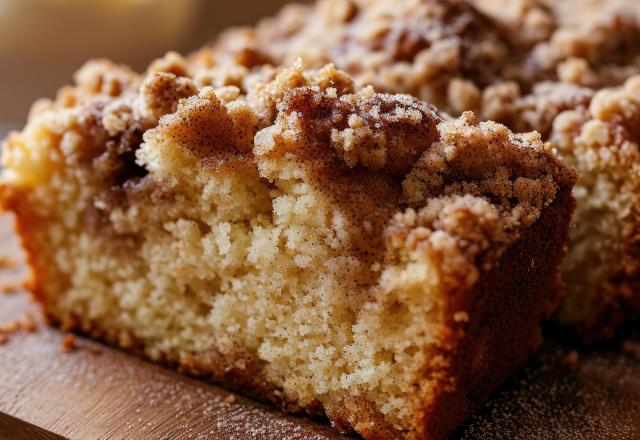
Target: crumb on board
[
  {"x": 67, "y": 324},
  {"x": 27, "y": 324},
  {"x": 632, "y": 347},
  {"x": 13, "y": 275},
  {"x": 94, "y": 350},
  {"x": 10, "y": 287},
  {"x": 570, "y": 360},
  {"x": 12, "y": 326},
  {"x": 7, "y": 262},
  {"x": 69, "y": 343}
]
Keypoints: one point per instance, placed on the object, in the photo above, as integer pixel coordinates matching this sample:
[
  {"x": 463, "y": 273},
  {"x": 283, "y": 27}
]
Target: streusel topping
[
  {"x": 426, "y": 48},
  {"x": 372, "y": 154}
]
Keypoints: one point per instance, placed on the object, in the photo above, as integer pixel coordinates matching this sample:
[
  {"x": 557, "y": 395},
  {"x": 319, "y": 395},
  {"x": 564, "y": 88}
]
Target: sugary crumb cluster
[
  {"x": 459, "y": 57},
  {"x": 441, "y": 52}
]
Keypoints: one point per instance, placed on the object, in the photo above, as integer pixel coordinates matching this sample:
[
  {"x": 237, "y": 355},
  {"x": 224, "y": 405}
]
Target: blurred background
[{"x": 43, "y": 42}]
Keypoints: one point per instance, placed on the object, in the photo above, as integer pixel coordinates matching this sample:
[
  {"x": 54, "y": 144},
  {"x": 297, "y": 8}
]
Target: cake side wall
[
  {"x": 26, "y": 222},
  {"x": 504, "y": 313}
]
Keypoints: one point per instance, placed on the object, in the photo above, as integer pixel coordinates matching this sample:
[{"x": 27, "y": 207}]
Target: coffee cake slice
[
  {"x": 584, "y": 99},
  {"x": 602, "y": 271},
  {"x": 324, "y": 247}
]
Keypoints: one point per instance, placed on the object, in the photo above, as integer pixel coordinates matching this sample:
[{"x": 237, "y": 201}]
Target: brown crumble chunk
[
  {"x": 69, "y": 343},
  {"x": 7, "y": 262},
  {"x": 570, "y": 360},
  {"x": 632, "y": 347}
]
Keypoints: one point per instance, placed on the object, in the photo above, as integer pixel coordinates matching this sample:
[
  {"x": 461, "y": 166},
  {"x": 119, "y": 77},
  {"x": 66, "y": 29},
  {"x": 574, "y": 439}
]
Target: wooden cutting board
[{"x": 95, "y": 392}]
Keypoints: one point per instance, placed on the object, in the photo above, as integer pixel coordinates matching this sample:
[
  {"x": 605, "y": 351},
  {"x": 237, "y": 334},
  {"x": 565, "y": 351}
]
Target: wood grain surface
[
  {"x": 13, "y": 428},
  {"x": 95, "y": 392}
]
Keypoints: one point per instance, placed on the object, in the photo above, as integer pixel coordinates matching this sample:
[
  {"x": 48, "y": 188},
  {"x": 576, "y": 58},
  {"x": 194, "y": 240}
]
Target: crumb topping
[
  {"x": 161, "y": 92},
  {"x": 486, "y": 158},
  {"x": 537, "y": 110},
  {"x": 415, "y": 47},
  {"x": 375, "y": 131},
  {"x": 205, "y": 127},
  {"x": 373, "y": 154},
  {"x": 605, "y": 36},
  {"x": 448, "y": 53},
  {"x": 473, "y": 192}
]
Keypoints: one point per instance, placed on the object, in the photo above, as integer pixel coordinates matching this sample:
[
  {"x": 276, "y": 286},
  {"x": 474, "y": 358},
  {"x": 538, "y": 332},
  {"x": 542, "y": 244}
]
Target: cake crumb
[
  {"x": 461, "y": 316},
  {"x": 632, "y": 348},
  {"x": 10, "y": 287},
  {"x": 94, "y": 350},
  {"x": 570, "y": 360},
  {"x": 12, "y": 327},
  {"x": 7, "y": 262},
  {"x": 69, "y": 343},
  {"x": 230, "y": 399},
  {"x": 26, "y": 324},
  {"x": 29, "y": 323}
]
